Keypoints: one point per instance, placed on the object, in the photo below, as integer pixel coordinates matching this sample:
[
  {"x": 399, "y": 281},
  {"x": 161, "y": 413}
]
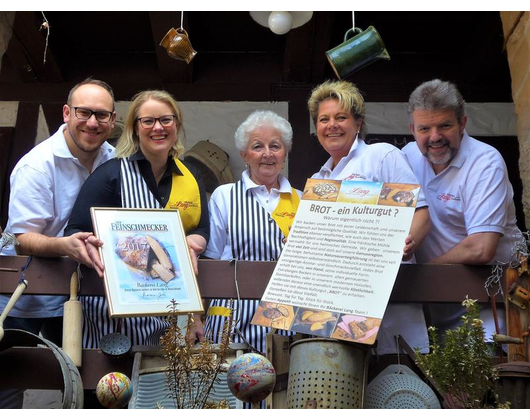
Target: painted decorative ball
[
  {"x": 251, "y": 377},
  {"x": 114, "y": 390}
]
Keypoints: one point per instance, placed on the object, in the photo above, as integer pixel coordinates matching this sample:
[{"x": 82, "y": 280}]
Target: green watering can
[{"x": 357, "y": 52}]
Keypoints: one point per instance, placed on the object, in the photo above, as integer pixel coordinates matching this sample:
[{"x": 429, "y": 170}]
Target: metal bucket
[
  {"x": 326, "y": 373},
  {"x": 73, "y": 393}
]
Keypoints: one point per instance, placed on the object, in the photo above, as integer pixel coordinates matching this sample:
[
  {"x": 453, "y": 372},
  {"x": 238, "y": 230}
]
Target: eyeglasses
[
  {"x": 85, "y": 114},
  {"x": 149, "y": 122}
]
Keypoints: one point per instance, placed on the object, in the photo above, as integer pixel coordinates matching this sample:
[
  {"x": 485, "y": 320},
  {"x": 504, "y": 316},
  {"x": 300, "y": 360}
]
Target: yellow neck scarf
[
  {"x": 185, "y": 197},
  {"x": 284, "y": 213}
]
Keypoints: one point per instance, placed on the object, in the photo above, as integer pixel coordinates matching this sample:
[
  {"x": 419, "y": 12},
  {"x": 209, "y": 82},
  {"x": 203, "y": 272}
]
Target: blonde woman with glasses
[{"x": 146, "y": 173}]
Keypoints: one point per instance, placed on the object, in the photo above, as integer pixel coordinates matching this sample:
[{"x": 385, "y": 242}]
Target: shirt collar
[
  {"x": 357, "y": 146},
  {"x": 248, "y": 184},
  {"x": 171, "y": 165},
  {"x": 61, "y": 150},
  {"x": 463, "y": 151}
]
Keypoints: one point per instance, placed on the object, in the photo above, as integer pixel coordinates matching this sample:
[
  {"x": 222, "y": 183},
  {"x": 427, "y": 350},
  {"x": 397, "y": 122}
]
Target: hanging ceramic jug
[
  {"x": 357, "y": 51},
  {"x": 178, "y": 45}
]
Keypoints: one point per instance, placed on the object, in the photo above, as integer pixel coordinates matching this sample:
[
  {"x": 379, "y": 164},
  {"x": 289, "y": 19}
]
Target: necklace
[{"x": 158, "y": 176}]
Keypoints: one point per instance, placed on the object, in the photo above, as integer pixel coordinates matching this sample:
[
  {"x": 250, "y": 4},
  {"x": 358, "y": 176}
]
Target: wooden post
[
  {"x": 516, "y": 318},
  {"x": 277, "y": 351}
]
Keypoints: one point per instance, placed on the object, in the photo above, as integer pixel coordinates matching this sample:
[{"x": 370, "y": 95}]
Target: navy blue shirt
[{"x": 103, "y": 189}]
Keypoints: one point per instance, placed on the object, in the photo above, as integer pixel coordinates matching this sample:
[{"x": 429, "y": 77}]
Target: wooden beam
[
  {"x": 6, "y": 135},
  {"x": 22, "y": 141},
  {"x": 37, "y": 368},
  {"x": 414, "y": 283},
  {"x": 26, "y": 51},
  {"x": 304, "y": 58},
  {"x": 297, "y": 57},
  {"x": 323, "y": 25}
]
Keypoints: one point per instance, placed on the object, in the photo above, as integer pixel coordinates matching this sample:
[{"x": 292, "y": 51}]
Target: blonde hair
[
  {"x": 129, "y": 143},
  {"x": 346, "y": 93}
]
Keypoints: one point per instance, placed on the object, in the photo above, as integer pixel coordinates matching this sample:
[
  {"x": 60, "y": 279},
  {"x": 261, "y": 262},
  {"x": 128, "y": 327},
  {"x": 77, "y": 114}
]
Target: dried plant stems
[{"x": 192, "y": 373}]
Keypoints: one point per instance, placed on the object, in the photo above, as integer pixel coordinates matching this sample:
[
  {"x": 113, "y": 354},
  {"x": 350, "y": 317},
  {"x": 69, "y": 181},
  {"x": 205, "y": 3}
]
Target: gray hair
[
  {"x": 261, "y": 118},
  {"x": 436, "y": 94}
]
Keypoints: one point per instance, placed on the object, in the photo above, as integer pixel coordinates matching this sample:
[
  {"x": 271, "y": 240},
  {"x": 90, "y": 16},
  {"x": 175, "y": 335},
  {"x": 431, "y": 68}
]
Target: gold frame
[{"x": 147, "y": 262}]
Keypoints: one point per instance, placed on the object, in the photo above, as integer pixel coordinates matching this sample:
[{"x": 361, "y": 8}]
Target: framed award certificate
[{"x": 147, "y": 262}]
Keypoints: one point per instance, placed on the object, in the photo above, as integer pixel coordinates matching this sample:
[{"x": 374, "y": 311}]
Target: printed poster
[{"x": 337, "y": 270}]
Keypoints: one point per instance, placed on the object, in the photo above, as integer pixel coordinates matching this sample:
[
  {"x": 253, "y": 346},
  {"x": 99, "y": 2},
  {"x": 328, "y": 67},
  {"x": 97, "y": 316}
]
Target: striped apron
[
  {"x": 142, "y": 331},
  {"x": 255, "y": 236}
]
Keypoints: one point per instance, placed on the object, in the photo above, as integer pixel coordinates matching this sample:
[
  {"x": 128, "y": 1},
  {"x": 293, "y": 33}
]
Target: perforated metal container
[
  {"x": 326, "y": 373},
  {"x": 399, "y": 387}
]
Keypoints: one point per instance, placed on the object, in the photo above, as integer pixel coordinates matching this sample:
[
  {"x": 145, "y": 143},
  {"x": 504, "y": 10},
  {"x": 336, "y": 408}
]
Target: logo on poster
[{"x": 358, "y": 192}]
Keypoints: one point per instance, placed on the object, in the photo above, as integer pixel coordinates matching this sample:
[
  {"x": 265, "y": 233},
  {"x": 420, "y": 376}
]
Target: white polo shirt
[
  {"x": 382, "y": 162},
  {"x": 219, "y": 246},
  {"x": 472, "y": 195},
  {"x": 379, "y": 162},
  {"x": 44, "y": 187}
]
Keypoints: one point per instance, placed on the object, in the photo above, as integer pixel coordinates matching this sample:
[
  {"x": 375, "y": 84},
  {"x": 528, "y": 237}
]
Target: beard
[
  {"x": 88, "y": 147},
  {"x": 443, "y": 158}
]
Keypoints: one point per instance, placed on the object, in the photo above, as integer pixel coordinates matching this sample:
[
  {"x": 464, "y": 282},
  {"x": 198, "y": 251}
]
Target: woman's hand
[
  {"x": 196, "y": 331},
  {"x": 196, "y": 245}
]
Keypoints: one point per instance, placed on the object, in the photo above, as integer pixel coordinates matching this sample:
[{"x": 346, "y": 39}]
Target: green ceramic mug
[{"x": 357, "y": 52}]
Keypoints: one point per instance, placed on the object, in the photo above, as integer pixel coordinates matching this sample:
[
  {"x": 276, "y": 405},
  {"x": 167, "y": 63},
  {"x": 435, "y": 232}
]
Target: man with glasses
[
  {"x": 468, "y": 190},
  {"x": 44, "y": 186}
]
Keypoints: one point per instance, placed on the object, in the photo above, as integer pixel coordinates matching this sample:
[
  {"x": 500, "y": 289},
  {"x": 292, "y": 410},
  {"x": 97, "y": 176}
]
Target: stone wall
[{"x": 516, "y": 27}]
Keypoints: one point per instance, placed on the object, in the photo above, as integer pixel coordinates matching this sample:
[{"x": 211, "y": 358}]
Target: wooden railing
[{"x": 414, "y": 283}]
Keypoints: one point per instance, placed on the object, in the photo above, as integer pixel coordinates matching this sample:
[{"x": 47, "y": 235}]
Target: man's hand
[
  {"x": 92, "y": 246},
  {"x": 81, "y": 247},
  {"x": 408, "y": 250},
  {"x": 74, "y": 247}
]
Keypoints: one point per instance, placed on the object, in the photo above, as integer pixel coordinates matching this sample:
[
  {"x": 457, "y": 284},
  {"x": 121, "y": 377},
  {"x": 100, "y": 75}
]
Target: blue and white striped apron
[
  {"x": 254, "y": 236},
  {"x": 141, "y": 331}
]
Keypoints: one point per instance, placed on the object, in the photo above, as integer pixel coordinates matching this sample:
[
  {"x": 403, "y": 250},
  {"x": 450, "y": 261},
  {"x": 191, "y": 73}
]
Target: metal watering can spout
[{"x": 359, "y": 49}]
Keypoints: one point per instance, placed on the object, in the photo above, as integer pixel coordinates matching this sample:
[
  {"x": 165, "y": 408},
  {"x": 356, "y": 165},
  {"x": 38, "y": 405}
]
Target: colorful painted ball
[
  {"x": 114, "y": 390},
  {"x": 251, "y": 377}
]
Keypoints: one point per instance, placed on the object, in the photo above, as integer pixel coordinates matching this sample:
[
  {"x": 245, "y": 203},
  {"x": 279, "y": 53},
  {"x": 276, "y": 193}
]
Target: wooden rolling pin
[{"x": 73, "y": 323}]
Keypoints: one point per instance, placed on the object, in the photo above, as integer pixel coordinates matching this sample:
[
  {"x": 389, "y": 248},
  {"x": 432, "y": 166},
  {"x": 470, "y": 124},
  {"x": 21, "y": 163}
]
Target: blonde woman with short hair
[{"x": 338, "y": 110}]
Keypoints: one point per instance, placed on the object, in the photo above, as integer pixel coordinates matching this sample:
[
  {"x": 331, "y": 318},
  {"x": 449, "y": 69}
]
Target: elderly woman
[
  {"x": 337, "y": 109},
  {"x": 145, "y": 174},
  {"x": 248, "y": 219}
]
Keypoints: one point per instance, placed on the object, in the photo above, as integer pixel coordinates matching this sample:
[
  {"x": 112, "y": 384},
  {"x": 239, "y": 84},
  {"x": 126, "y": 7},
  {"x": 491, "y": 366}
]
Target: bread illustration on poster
[
  {"x": 399, "y": 195},
  {"x": 148, "y": 256}
]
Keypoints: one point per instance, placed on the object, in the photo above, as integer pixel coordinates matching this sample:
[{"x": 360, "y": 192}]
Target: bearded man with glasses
[{"x": 44, "y": 186}]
